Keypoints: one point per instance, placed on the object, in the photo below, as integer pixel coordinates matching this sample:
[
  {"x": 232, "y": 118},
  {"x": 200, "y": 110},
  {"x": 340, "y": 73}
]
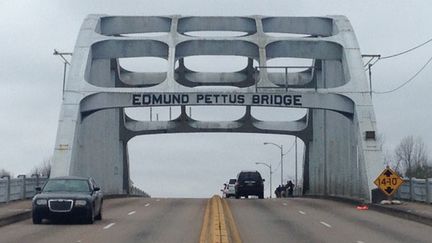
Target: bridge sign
[{"x": 388, "y": 181}]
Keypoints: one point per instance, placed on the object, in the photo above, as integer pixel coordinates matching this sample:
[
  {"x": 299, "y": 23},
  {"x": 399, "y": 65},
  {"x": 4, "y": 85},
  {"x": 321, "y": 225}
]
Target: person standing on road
[
  {"x": 290, "y": 188},
  {"x": 283, "y": 190},
  {"x": 278, "y": 191}
]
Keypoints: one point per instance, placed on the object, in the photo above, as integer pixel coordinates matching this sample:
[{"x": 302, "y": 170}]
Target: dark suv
[{"x": 249, "y": 183}]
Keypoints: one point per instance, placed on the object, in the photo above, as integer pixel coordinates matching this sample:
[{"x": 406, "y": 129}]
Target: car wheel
[
  {"x": 237, "y": 196},
  {"x": 261, "y": 195},
  {"x": 99, "y": 216},
  {"x": 91, "y": 217},
  {"x": 36, "y": 219}
]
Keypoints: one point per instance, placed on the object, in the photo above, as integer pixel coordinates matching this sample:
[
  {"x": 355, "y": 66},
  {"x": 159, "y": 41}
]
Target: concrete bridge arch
[{"x": 342, "y": 156}]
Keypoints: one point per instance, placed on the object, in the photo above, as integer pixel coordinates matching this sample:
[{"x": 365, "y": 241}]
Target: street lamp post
[
  {"x": 281, "y": 157},
  {"x": 295, "y": 185},
  {"x": 65, "y": 63},
  {"x": 271, "y": 174}
]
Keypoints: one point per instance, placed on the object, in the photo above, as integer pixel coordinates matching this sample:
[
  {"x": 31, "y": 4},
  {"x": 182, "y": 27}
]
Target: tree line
[
  {"x": 411, "y": 159},
  {"x": 43, "y": 170}
]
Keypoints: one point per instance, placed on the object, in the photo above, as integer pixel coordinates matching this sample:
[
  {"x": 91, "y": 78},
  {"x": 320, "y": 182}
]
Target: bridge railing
[
  {"x": 12, "y": 189},
  {"x": 135, "y": 191},
  {"x": 421, "y": 190}
]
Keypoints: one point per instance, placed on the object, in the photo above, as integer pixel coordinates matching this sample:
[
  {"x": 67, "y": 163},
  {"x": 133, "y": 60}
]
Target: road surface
[
  {"x": 268, "y": 220},
  {"x": 314, "y": 220},
  {"x": 124, "y": 220}
]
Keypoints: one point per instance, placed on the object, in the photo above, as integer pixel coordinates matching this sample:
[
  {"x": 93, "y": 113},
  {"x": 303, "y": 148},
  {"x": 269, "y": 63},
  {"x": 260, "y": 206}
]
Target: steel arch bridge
[{"x": 342, "y": 156}]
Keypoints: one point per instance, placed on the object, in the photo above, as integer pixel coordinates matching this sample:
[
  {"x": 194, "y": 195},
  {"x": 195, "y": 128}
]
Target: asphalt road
[
  {"x": 269, "y": 220},
  {"x": 124, "y": 220},
  {"x": 314, "y": 220}
]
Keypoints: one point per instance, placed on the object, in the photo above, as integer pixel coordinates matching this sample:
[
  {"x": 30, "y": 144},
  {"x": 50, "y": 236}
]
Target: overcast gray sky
[{"x": 196, "y": 165}]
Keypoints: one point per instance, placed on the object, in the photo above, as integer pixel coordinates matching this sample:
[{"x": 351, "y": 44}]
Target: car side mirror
[
  {"x": 38, "y": 189},
  {"x": 225, "y": 184},
  {"x": 96, "y": 189}
]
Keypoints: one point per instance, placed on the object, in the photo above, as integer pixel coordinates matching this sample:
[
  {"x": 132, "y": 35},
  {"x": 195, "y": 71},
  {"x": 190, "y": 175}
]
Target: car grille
[{"x": 60, "y": 205}]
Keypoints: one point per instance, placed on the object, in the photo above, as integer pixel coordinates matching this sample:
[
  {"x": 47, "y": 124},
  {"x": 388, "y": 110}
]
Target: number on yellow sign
[{"x": 389, "y": 181}]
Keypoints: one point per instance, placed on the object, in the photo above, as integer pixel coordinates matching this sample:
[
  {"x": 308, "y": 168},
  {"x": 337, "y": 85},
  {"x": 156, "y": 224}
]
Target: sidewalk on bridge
[
  {"x": 417, "y": 211},
  {"x": 14, "y": 211}
]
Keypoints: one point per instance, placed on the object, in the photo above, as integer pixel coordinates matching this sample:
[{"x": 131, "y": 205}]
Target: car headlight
[
  {"x": 41, "y": 202},
  {"x": 80, "y": 203}
]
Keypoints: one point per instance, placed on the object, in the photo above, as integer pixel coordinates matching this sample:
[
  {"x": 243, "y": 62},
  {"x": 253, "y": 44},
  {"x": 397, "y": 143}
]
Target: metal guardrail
[
  {"x": 421, "y": 190},
  {"x": 12, "y": 189}
]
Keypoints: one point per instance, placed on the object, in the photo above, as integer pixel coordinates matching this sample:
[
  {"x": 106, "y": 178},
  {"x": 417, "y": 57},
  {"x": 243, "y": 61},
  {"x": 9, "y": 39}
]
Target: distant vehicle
[
  {"x": 69, "y": 196},
  {"x": 229, "y": 190},
  {"x": 224, "y": 190},
  {"x": 249, "y": 183}
]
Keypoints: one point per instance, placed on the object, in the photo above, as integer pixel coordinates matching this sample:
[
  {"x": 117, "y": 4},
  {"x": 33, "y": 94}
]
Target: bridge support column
[
  {"x": 332, "y": 157},
  {"x": 100, "y": 151}
]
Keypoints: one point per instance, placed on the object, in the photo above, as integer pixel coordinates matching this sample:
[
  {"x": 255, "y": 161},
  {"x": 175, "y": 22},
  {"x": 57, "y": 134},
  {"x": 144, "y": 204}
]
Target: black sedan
[{"x": 69, "y": 196}]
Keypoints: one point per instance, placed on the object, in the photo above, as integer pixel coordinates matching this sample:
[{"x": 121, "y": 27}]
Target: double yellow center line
[{"x": 218, "y": 225}]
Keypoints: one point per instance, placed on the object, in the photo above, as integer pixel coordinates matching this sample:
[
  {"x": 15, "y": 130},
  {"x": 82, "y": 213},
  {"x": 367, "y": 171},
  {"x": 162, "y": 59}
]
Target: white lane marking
[
  {"x": 148, "y": 204},
  {"x": 109, "y": 226},
  {"x": 78, "y": 241},
  {"x": 301, "y": 212},
  {"x": 284, "y": 204},
  {"x": 19, "y": 209},
  {"x": 157, "y": 200},
  {"x": 359, "y": 241},
  {"x": 325, "y": 224},
  {"x": 132, "y": 212}
]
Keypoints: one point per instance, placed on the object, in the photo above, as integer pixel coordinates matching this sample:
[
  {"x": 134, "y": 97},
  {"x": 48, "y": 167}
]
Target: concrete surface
[
  {"x": 416, "y": 211},
  {"x": 318, "y": 220},
  {"x": 258, "y": 220},
  {"x": 14, "y": 211},
  {"x": 124, "y": 220}
]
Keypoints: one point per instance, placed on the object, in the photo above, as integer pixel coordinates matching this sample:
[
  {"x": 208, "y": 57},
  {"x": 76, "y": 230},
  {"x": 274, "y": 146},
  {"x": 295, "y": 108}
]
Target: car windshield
[
  {"x": 250, "y": 176},
  {"x": 66, "y": 185}
]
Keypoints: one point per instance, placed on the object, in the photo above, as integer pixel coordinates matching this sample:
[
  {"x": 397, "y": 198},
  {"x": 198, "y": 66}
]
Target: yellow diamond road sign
[{"x": 388, "y": 181}]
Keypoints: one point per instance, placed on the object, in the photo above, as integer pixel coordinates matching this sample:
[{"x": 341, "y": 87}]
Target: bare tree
[
  {"x": 388, "y": 156},
  {"x": 390, "y": 161},
  {"x": 43, "y": 169},
  {"x": 411, "y": 154}
]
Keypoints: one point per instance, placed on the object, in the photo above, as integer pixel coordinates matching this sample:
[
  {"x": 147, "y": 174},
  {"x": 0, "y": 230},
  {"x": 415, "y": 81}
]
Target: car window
[
  {"x": 66, "y": 185},
  {"x": 232, "y": 181},
  {"x": 250, "y": 176}
]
